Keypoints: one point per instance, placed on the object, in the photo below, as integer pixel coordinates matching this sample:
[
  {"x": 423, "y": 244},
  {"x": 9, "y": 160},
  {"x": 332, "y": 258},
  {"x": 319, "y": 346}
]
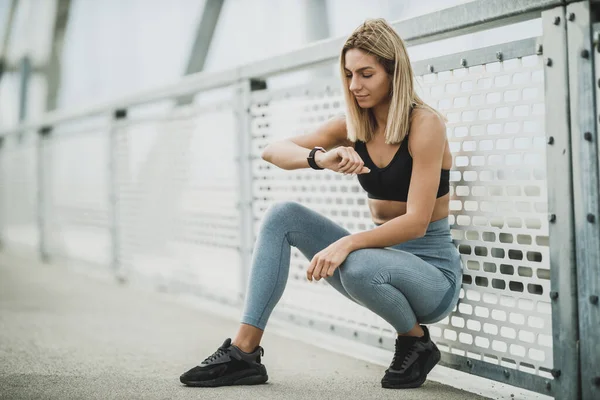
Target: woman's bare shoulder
[
  {"x": 426, "y": 115},
  {"x": 425, "y": 123}
]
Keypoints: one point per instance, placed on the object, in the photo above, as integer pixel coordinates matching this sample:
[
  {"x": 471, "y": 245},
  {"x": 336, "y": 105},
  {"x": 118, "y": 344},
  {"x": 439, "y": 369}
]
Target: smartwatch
[{"x": 311, "y": 157}]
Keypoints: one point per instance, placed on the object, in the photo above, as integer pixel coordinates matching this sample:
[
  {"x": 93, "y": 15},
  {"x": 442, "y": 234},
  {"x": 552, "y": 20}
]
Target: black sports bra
[{"x": 392, "y": 181}]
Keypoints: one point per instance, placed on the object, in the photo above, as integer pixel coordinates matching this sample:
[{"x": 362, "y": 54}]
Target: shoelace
[
  {"x": 220, "y": 351},
  {"x": 399, "y": 355},
  {"x": 407, "y": 357},
  {"x": 224, "y": 350},
  {"x": 403, "y": 352}
]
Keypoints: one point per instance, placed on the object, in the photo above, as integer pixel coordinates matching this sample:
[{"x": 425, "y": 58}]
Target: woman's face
[{"x": 366, "y": 78}]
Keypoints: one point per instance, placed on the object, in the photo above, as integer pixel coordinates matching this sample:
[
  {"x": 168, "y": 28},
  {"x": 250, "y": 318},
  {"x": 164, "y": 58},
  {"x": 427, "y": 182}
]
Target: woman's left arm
[{"x": 427, "y": 143}]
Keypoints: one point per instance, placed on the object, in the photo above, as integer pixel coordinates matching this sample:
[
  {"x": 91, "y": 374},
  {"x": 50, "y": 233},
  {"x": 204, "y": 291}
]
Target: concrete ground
[{"x": 66, "y": 335}]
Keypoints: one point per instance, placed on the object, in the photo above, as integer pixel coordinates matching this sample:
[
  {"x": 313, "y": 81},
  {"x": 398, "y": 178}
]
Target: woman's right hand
[{"x": 342, "y": 159}]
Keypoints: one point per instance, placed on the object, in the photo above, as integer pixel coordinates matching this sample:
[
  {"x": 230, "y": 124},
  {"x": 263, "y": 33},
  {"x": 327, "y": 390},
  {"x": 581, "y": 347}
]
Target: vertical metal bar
[
  {"x": 245, "y": 175},
  {"x": 203, "y": 39},
  {"x": 12, "y": 8},
  {"x": 113, "y": 192},
  {"x": 591, "y": 292},
  {"x": 317, "y": 27},
  {"x": 53, "y": 70},
  {"x": 242, "y": 114},
  {"x": 6, "y": 37},
  {"x": 563, "y": 274},
  {"x": 43, "y": 184},
  {"x": 24, "y": 87},
  {"x": 3, "y": 192},
  {"x": 585, "y": 178},
  {"x": 204, "y": 36}
]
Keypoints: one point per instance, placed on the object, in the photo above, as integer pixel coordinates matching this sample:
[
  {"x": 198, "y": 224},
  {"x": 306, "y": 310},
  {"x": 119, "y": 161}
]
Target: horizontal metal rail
[
  {"x": 459, "y": 20},
  {"x": 483, "y": 55}
]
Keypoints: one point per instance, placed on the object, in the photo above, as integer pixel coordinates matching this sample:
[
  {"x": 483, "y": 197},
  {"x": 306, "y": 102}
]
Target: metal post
[
  {"x": 2, "y": 68},
  {"x": 204, "y": 36},
  {"x": 317, "y": 28},
  {"x": 43, "y": 184},
  {"x": 113, "y": 190},
  {"x": 585, "y": 179},
  {"x": 24, "y": 87},
  {"x": 245, "y": 175},
  {"x": 53, "y": 70},
  {"x": 8, "y": 27},
  {"x": 563, "y": 275},
  {"x": 2, "y": 194}
]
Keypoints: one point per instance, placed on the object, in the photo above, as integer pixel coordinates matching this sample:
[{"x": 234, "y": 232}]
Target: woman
[{"x": 407, "y": 269}]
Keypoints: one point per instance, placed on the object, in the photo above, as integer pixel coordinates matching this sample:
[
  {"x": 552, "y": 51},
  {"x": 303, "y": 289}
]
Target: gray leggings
[{"x": 418, "y": 280}]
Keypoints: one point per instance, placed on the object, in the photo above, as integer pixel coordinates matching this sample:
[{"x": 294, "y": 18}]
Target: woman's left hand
[{"x": 327, "y": 260}]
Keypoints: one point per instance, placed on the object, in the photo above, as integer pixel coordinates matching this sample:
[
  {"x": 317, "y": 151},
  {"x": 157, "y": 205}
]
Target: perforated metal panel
[
  {"x": 18, "y": 166},
  {"x": 498, "y": 208},
  {"x": 75, "y": 194},
  {"x": 284, "y": 113},
  {"x": 176, "y": 201},
  {"x": 499, "y": 212}
]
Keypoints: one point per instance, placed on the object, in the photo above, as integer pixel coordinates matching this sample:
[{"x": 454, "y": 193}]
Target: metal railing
[{"x": 138, "y": 186}]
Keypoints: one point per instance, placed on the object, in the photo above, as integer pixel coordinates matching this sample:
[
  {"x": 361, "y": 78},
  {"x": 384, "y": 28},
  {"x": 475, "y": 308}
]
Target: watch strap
[{"x": 311, "y": 157}]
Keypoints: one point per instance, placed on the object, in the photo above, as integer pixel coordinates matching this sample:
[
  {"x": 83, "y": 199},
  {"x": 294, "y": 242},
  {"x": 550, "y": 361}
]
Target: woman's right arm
[{"x": 291, "y": 153}]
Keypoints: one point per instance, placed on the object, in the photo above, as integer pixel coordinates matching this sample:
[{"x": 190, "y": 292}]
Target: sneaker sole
[
  {"x": 228, "y": 381},
  {"x": 414, "y": 384}
]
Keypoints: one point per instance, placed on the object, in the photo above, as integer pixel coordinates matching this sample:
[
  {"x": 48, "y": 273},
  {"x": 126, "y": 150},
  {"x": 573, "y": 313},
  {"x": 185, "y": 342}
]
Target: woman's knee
[
  {"x": 282, "y": 211},
  {"x": 356, "y": 272},
  {"x": 284, "y": 208}
]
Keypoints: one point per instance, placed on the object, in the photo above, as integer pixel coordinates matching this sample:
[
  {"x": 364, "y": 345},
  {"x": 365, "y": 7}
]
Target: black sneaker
[
  {"x": 228, "y": 366},
  {"x": 413, "y": 359}
]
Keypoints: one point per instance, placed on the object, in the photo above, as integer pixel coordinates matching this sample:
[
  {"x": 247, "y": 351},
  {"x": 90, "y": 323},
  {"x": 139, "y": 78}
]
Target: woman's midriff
[{"x": 384, "y": 210}]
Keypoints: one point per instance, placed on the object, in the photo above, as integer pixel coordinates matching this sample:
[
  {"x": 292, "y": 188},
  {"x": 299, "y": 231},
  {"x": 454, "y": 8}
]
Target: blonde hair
[{"x": 378, "y": 38}]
